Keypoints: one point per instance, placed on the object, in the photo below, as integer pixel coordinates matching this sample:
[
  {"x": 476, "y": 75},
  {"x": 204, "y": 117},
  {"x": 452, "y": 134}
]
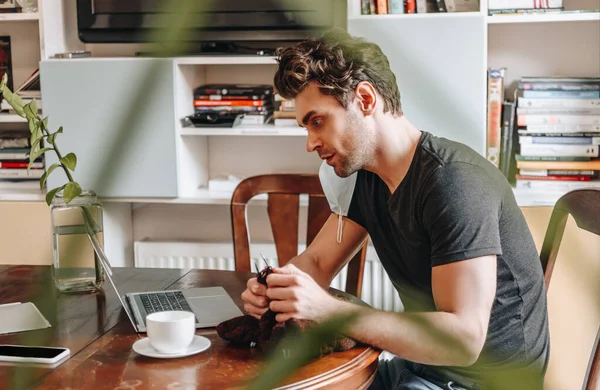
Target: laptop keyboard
[{"x": 164, "y": 302}]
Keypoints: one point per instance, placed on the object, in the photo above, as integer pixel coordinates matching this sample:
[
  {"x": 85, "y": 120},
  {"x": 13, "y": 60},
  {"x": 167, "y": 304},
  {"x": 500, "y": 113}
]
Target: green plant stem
[{"x": 45, "y": 130}]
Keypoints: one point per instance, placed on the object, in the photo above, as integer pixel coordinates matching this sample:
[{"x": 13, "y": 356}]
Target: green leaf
[
  {"x": 294, "y": 351},
  {"x": 33, "y": 155},
  {"x": 50, "y": 194},
  {"x": 34, "y": 124},
  {"x": 35, "y": 144},
  {"x": 31, "y": 110},
  {"x": 52, "y": 137},
  {"x": 46, "y": 174},
  {"x": 13, "y": 100},
  {"x": 45, "y": 122},
  {"x": 72, "y": 189},
  {"x": 69, "y": 161}
]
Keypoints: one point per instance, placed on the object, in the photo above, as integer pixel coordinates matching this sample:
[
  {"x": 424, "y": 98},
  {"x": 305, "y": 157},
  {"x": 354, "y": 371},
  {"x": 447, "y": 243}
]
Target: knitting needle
[
  {"x": 265, "y": 260},
  {"x": 256, "y": 266}
]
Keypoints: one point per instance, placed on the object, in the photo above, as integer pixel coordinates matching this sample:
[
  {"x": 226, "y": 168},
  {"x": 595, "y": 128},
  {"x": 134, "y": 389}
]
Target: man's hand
[
  {"x": 255, "y": 298},
  {"x": 294, "y": 294}
]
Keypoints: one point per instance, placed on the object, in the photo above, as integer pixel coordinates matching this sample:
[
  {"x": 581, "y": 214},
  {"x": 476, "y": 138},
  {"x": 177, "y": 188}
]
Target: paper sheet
[{"x": 19, "y": 317}]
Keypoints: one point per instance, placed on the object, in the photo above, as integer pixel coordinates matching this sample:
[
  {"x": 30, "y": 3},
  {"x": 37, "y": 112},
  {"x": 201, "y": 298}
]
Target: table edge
[{"x": 366, "y": 358}]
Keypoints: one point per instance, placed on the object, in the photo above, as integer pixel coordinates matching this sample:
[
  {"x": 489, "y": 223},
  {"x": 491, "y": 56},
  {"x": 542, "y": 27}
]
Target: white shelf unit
[
  {"x": 34, "y": 37},
  {"x": 241, "y": 151},
  {"x": 429, "y": 52},
  {"x": 20, "y": 17}
]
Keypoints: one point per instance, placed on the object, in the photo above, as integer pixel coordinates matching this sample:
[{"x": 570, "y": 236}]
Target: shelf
[
  {"x": 11, "y": 118},
  {"x": 226, "y": 60},
  {"x": 544, "y": 17},
  {"x": 202, "y": 196},
  {"x": 264, "y": 130},
  {"x": 21, "y": 196},
  {"x": 432, "y": 15},
  {"x": 20, "y": 17}
]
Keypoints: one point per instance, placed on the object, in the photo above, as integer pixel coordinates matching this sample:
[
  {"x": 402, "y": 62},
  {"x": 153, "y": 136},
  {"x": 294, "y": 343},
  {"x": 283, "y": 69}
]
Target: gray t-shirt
[{"x": 454, "y": 205}]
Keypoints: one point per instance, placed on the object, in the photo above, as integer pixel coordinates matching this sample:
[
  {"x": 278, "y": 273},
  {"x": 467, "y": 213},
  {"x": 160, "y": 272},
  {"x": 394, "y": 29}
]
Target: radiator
[{"x": 377, "y": 289}]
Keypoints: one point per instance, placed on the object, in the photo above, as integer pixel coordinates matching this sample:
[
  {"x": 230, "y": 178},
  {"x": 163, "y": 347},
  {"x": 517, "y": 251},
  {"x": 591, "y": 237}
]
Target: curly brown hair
[{"x": 337, "y": 62}]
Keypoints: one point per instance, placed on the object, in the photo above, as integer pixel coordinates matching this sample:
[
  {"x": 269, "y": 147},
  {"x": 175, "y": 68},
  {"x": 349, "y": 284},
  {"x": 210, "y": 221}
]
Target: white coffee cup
[{"x": 170, "y": 332}]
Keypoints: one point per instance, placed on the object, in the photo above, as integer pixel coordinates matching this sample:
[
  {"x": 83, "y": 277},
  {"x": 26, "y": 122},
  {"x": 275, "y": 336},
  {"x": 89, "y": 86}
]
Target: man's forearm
[
  {"x": 310, "y": 264},
  {"x": 435, "y": 338}
]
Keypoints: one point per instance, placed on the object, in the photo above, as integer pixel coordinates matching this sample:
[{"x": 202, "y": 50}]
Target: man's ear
[{"x": 367, "y": 97}]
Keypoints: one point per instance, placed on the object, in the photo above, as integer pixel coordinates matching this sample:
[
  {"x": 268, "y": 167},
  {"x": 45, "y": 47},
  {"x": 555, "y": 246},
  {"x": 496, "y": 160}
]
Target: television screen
[{"x": 131, "y": 21}]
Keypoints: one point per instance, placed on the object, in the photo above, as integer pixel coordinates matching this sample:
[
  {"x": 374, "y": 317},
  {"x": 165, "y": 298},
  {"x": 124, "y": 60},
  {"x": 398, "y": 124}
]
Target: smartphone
[{"x": 21, "y": 353}]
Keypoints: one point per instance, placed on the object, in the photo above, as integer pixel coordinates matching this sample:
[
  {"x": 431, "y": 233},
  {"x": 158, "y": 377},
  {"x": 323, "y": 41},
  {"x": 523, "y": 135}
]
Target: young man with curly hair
[{"x": 443, "y": 220}]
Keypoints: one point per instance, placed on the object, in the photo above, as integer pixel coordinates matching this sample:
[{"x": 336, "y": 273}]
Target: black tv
[{"x": 220, "y": 21}]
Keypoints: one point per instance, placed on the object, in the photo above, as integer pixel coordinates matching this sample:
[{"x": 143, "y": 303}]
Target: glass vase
[
  {"x": 76, "y": 228},
  {"x": 28, "y": 5}
]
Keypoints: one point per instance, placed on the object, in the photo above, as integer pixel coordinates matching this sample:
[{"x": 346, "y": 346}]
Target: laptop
[{"x": 211, "y": 305}]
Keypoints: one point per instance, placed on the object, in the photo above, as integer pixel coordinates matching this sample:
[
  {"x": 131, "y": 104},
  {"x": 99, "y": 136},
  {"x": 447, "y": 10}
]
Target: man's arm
[
  {"x": 454, "y": 335},
  {"x": 322, "y": 260},
  {"x": 325, "y": 257}
]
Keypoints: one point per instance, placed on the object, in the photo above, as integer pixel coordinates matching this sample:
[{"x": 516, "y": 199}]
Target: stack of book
[
  {"x": 558, "y": 127},
  {"x": 254, "y": 102},
  {"x": 285, "y": 114},
  {"x": 14, "y": 159}
]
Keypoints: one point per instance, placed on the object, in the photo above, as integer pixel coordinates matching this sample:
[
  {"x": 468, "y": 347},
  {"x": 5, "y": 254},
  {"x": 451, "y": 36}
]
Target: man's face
[{"x": 339, "y": 135}]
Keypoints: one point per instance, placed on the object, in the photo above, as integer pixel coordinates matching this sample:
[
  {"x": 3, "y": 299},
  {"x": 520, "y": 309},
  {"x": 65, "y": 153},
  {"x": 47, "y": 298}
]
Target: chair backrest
[
  {"x": 283, "y": 207},
  {"x": 584, "y": 206}
]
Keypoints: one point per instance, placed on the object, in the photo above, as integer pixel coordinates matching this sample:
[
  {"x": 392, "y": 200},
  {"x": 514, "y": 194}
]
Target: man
[{"x": 442, "y": 219}]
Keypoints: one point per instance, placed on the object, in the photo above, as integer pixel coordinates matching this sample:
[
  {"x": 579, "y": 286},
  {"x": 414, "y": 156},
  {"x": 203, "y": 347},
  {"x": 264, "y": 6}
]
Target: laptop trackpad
[{"x": 212, "y": 310}]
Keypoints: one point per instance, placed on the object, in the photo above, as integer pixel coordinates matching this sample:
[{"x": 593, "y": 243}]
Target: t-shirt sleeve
[
  {"x": 460, "y": 213},
  {"x": 354, "y": 212}
]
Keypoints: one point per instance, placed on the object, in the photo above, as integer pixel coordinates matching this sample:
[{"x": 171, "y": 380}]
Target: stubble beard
[{"x": 359, "y": 147}]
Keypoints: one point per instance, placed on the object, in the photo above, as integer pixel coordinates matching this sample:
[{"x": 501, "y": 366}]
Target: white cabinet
[{"x": 118, "y": 119}]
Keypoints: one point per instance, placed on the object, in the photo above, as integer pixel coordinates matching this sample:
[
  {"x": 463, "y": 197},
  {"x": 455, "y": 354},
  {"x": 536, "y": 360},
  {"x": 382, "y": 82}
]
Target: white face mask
[{"x": 338, "y": 192}]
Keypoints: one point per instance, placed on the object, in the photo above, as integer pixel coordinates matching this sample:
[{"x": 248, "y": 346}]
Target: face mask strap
[{"x": 339, "y": 229}]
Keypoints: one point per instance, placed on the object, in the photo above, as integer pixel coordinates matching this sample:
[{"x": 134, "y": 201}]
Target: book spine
[
  {"x": 572, "y": 128},
  {"x": 559, "y": 111},
  {"x": 554, "y": 178},
  {"x": 593, "y": 165},
  {"x": 559, "y": 150},
  {"x": 559, "y": 103},
  {"x": 528, "y": 119},
  {"x": 524, "y": 139},
  {"x": 20, "y": 173},
  {"x": 494, "y": 112},
  {"x": 396, "y": 6},
  {"x": 559, "y": 86},
  {"x": 561, "y": 94}
]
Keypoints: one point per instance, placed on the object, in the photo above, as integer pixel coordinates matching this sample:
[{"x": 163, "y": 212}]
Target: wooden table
[{"x": 96, "y": 330}]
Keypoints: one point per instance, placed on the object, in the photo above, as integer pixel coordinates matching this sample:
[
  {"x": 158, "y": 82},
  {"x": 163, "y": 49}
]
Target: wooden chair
[
  {"x": 584, "y": 206},
  {"x": 283, "y": 209}
]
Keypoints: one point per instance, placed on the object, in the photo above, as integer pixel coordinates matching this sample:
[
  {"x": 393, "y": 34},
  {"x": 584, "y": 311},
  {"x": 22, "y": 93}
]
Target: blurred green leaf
[
  {"x": 38, "y": 153},
  {"x": 14, "y": 100},
  {"x": 50, "y": 194},
  {"x": 294, "y": 351},
  {"x": 31, "y": 110},
  {"x": 47, "y": 173},
  {"x": 52, "y": 136},
  {"x": 69, "y": 161},
  {"x": 45, "y": 122},
  {"x": 72, "y": 190}
]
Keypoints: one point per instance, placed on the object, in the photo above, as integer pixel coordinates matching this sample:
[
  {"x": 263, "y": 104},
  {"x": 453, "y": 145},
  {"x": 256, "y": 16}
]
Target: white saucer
[{"x": 143, "y": 347}]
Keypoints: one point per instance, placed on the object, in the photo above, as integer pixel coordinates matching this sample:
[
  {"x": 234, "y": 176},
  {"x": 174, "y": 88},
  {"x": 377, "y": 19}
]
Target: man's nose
[{"x": 312, "y": 142}]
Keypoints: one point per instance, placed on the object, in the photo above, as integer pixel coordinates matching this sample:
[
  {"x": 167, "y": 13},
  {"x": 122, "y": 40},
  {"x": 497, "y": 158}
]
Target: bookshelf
[{"x": 442, "y": 78}]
